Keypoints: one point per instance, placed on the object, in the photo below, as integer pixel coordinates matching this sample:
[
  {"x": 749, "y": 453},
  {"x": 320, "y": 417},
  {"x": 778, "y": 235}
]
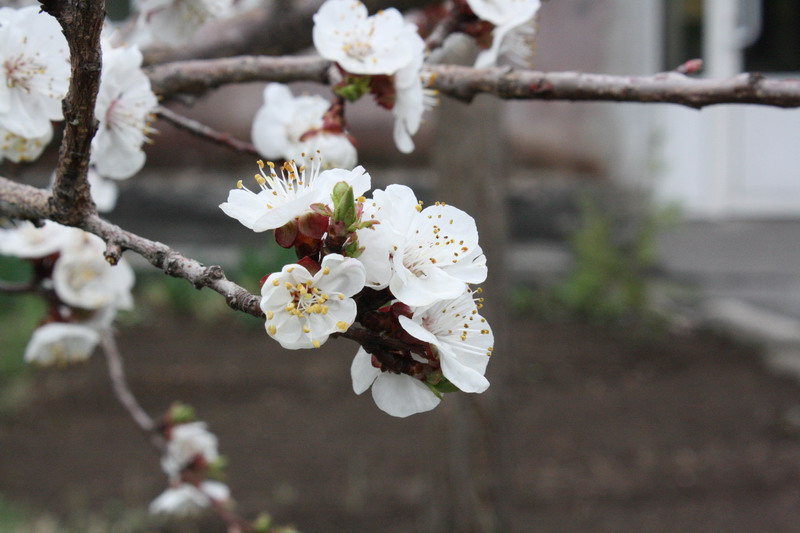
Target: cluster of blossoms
[
  {"x": 82, "y": 290},
  {"x": 401, "y": 271},
  {"x": 189, "y": 459},
  {"x": 380, "y": 54},
  {"x": 34, "y": 79}
]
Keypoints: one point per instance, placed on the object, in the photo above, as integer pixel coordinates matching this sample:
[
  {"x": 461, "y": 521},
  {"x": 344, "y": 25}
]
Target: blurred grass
[
  {"x": 114, "y": 518},
  {"x": 610, "y": 281},
  {"x": 19, "y": 316}
]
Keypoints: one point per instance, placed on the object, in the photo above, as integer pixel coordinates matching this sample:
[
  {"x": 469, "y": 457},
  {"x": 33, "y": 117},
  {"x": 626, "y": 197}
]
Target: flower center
[
  {"x": 306, "y": 299},
  {"x": 358, "y": 49},
  {"x": 127, "y": 120},
  {"x": 20, "y": 71}
]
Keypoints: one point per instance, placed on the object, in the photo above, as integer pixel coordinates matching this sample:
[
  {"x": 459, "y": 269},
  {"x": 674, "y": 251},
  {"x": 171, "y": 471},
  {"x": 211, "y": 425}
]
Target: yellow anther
[
  {"x": 239, "y": 184},
  {"x": 290, "y": 306},
  {"x": 341, "y": 296},
  {"x": 342, "y": 325},
  {"x": 290, "y": 269},
  {"x": 485, "y": 331},
  {"x": 326, "y": 271},
  {"x": 272, "y": 329},
  {"x": 361, "y": 199},
  {"x": 260, "y": 179},
  {"x": 433, "y": 260},
  {"x": 289, "y": 286},
  {"x": 270, "y": 164},
  {"x": 276, "y": 282},
  {"x": 316, "y": 344},
  {"x": 270, "y": 315},
  {"x": 306, "y": 329},
  {"x": 260, "y": 163}
]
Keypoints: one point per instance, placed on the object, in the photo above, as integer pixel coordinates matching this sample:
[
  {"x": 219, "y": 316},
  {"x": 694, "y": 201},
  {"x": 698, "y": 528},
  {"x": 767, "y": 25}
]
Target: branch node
[
  {"x": 215, "y": 273},
  {"x": 113, "y": 252}
]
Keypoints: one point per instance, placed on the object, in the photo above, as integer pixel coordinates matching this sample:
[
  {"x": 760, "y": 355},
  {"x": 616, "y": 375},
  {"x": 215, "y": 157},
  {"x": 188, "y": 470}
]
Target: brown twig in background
[
  {"x": 199, "y": 129},
  {"x": 82, "y": 22},
  {"x": 19, "y": 288},
  {"x": 122, "y": 391}
]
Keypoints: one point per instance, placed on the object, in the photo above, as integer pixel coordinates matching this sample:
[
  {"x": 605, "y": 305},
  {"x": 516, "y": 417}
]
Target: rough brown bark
[{"x": 81, "y": 22}]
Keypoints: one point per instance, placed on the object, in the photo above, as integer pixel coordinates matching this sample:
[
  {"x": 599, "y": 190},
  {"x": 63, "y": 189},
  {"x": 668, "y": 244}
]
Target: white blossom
[
  {"x": 57, "y": 342},
  {"x": 187, "y": 443},
  {"x": 423, "y": 255},
  {"x": 283, "y": 120},
  {"x": 23, "y": 149},
  {"x": 35, "y": 71},
  {"x": 460, "y": 337},
  {"x": 187, "y": 499},
  {"x": 410, "y": 102},
  {"x": 334, "y": 149},
  {"x": 379, "y": 44},
  {"x": 303, "y": 310},
  {"x": 506, "y": 15},
  {"x": 125, "y": 103},
  {"x": 83, "y": 278},
  {"x": 175, "y": 22},
  {"x": 396, "y": 394},
  {"x": 29, "y": 242},
  {"x": 284, "y": 197}
]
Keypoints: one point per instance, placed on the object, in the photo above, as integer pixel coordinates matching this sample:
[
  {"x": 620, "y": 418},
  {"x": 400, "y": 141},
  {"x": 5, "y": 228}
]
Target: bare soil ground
[{"x": 605, "y": 432}]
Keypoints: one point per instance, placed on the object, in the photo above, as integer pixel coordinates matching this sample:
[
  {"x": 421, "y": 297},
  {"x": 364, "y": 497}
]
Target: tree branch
[
  {"x": 199, "y": 129},
  {"x": 464, "y": 83},
  {"x": 26, "y": 202},
  {"x": 199, "y": 76},
  {"x": 82, "y": 22}
]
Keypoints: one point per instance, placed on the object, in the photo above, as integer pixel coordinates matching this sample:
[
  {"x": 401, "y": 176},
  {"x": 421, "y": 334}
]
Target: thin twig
[
  {"x": 199, "y": 129},
  {"x": 13, "y": 287},
  {"x": 116, "y": 372},
  {"x": 29, "y": 203}
]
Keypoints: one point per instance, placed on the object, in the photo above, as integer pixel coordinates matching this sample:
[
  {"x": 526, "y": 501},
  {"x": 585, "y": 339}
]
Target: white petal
[
  {"x": 345, "y": 275},
  {"x": 417, "y": 331},
  {"x": 362, "y": 372},
  {"x": 402, "y": 396},
  {"x": 461, "y": 375}
]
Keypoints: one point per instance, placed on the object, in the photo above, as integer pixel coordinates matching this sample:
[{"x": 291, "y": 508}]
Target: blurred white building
[{"x": 724, "y": 161}]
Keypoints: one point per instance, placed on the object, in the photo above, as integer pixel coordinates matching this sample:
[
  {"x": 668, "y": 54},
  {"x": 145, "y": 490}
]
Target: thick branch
[
  {"x": 82, "y": 22},
  {"x": 197, "y": 77},
  {"x": 199, "y": 129},
  {"x": 464, "y": 83}
]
